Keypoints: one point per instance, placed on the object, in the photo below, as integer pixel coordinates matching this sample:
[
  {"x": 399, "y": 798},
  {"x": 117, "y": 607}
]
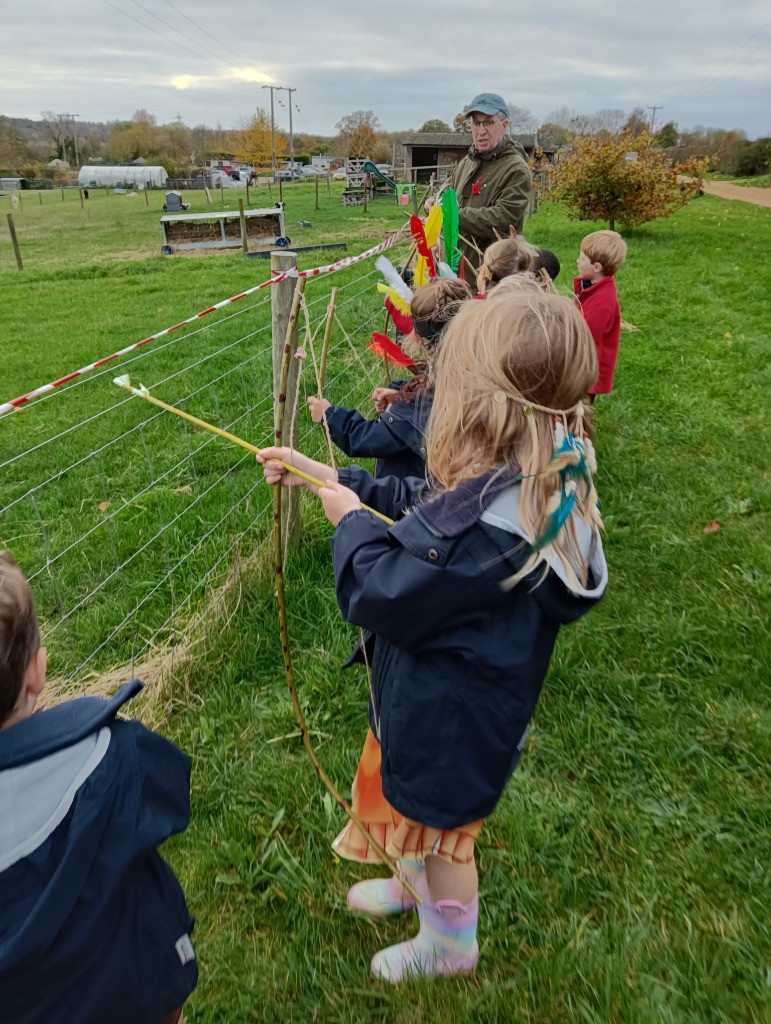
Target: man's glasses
[{"x": 488, "y": 125}]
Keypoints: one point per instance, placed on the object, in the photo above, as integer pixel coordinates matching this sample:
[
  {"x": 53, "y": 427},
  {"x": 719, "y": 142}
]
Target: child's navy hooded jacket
[
  {"x": 397, "y": 440},
  {"x": 93, "y": 922},
  {"x": 458, "y": 661}
]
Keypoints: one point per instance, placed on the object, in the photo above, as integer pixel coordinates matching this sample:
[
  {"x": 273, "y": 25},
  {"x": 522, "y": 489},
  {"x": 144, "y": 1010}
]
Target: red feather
[
  {"x": 382, "y": 346},
  {"x": 401, "y": 320},
  {"x": 416, "y": 227}
]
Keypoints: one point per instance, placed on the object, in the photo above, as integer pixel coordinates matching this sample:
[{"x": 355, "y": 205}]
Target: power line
[
  {"x": 720, "y": 82},
  {"x": 162, "y": 35},
  {"x": 206, "y": 32},
  {"x": 694, "y": 87},
  {"x": 179, "y": 31}
]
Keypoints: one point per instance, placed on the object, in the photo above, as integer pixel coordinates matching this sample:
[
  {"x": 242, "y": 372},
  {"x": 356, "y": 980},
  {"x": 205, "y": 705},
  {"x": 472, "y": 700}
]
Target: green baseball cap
[{"x": 488, "y": 103}]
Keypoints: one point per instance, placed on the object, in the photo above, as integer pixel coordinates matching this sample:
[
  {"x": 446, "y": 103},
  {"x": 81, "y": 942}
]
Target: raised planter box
[{"x": 222, "y": 230}]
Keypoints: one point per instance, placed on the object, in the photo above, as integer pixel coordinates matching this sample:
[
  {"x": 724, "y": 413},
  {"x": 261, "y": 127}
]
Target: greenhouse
[{"x": 123, "y": 177}]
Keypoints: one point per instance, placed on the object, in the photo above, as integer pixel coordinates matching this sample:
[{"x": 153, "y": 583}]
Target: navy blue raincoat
[
  {"x": 93, "y": 922},
  {"x": 458, "y": 661},
  {"x": 397, "y": 440}
]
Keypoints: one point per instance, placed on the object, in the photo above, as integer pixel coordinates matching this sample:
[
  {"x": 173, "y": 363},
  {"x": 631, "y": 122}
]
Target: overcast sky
[{"x": 704, "y": 61}]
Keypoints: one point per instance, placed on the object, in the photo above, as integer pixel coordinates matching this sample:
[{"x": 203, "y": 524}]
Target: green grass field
[{"x": 625, "y": 873}]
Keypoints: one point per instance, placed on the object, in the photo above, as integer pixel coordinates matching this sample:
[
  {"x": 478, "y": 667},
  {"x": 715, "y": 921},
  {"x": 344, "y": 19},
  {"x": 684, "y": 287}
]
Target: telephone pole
[
  {"x": 272, "y": 129},
  {"x": 291, "y": 134},
  {"x": 653, "y": 114}
]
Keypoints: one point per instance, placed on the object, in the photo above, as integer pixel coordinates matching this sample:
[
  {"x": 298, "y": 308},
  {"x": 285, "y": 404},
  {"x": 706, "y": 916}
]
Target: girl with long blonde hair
[{"x": 465, "y": 595}]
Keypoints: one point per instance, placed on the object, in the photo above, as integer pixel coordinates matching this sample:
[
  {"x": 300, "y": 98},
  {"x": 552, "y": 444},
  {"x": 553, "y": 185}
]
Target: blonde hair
[
  {"x": 509, "y": 369},
  {"x": 19, "y": 632},
  {"x": 507, "y": 256},
  {"x": 607, "y": 248}
]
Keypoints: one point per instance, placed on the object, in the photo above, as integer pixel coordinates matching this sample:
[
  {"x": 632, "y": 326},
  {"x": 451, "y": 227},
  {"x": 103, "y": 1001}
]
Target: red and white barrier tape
[{"x": 330, "y": 268}]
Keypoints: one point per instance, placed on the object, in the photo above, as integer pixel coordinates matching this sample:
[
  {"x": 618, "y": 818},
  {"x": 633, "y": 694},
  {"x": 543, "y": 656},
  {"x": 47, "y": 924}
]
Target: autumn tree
[
  {"x": 553, "y": 135},
  {"x": 358, "y": 135},
  {"x": 636, "y": 124},
  {"x": 135, "y": 138},
  {"x": 362, "y": 141},
  {"x": 621, "y": 180},
  {"x": 13, "y": 145},
  {"x": 460, "y": 123},
  {"x": 252, "y": 143}
]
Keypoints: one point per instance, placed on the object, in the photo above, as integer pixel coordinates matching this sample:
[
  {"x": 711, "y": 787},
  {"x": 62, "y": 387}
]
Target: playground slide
[{"x": 370, "y": 168}]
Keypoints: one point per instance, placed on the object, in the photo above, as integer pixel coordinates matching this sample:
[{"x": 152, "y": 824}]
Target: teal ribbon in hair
[{"x": 567, "y": 493}]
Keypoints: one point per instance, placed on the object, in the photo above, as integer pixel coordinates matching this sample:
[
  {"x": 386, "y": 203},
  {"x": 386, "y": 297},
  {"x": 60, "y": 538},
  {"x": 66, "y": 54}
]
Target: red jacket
[{"x": 599, "y": 304}]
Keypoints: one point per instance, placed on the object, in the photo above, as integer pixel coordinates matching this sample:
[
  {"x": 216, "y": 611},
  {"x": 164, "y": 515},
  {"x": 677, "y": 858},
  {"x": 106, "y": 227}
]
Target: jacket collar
[
  {"x": 604, "y": 284},
  {"x": 453, "y": 512},
  {"x": 507, "y": 145},
  {"x": 60, "y": 726}
]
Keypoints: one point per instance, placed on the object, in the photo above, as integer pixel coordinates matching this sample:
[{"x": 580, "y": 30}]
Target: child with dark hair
[
  {"x": 94, "y": 926},
  {"x": 546, "y": 262},
  {"x": 397, "y": 438}
]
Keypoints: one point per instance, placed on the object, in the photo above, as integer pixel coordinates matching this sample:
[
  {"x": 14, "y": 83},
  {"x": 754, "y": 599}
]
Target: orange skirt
[{"x": 401, "y": 837}]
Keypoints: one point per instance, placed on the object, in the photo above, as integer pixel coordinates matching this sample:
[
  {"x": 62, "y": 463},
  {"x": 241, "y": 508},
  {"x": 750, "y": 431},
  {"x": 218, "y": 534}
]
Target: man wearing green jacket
[{"x": 493, "y": 181}]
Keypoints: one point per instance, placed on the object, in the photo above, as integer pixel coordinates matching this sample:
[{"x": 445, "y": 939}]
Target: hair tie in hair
[{"x": 499, "y": 397}]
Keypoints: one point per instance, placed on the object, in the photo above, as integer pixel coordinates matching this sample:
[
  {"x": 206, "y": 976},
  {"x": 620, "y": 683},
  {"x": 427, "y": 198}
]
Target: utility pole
[
  {"x": 653, "y": 114},
  {"x": 291, "y": 135},
  {"x": 272, "y": 129}
]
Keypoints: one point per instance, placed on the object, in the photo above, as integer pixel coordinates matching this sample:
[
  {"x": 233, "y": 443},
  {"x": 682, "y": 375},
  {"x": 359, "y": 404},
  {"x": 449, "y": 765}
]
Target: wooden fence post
[
  {"x": 285, "y": 309},
  {"x": 62, "y": 193},
  {"x": 317, "y": 191},
  {"x": 40, "y": 196},
  {"x": 242, "y": 219},
  {"x": 80, "y": 193},
  {"x": 14, "y": 241},
  {"x": 248, "y": 202}
]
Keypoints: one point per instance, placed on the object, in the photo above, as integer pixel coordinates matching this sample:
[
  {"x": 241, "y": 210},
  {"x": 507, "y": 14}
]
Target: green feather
[{"x": 450, "y": 228}]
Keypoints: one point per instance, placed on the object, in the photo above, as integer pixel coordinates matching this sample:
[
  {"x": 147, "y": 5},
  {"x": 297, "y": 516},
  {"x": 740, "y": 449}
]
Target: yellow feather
[
  {"x": 421, "y": 272},
  {"x": 433, "y": 225},
  {"x": 398, "y": 300}
]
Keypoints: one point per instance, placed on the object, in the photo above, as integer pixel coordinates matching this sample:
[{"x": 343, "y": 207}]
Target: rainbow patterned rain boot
[
  {"x": 446, "y": 943},
  {"x": 384, "y": 897}
]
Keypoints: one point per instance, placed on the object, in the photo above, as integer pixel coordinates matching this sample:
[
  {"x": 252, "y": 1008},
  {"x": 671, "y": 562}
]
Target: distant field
[{"x": 625, "y": 874}]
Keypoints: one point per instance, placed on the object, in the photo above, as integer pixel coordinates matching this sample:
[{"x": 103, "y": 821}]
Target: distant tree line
[{"x": 27, "y": 146}]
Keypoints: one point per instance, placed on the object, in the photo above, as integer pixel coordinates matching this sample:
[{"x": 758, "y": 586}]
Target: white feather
[
  {"x": 445, "y": 270},
  {"x": 122, "y": 382},
  {"x": 393, "y": 279}
]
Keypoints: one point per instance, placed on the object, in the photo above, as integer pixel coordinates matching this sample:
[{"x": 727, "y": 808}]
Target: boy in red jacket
[{"x": 602, "y": 253}]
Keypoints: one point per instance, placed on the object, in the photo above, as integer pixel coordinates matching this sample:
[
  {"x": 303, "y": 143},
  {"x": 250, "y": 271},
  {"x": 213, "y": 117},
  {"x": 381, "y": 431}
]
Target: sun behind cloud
[{"x": 183, "y": 82}]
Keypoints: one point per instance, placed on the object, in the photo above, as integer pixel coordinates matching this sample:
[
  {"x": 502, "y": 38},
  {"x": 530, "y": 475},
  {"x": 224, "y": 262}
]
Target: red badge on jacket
[{"x": 475, "y": 189}]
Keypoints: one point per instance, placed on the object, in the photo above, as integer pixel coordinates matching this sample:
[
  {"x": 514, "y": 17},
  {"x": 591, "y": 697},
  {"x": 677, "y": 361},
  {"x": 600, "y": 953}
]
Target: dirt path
[{"x": 750, "y": 194}]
